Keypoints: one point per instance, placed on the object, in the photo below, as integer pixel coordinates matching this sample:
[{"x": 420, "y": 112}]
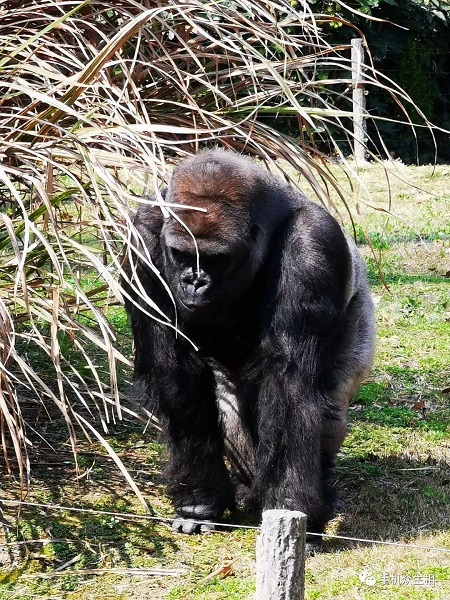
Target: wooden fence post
[
  {"x": 280, "y": 556},
  {"x": 359, "y": 101}
]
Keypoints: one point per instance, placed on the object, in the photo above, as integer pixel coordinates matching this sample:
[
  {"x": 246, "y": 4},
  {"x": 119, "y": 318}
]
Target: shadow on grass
[
  {"x": 386, "y": 499},
  {"x": 391, "y": 498},
  {"x": 402, "y": 278},
  {"x": 383, "y": 241},
  {"x": 393, "y": 474},
  {"x": 97, "y": 540}
]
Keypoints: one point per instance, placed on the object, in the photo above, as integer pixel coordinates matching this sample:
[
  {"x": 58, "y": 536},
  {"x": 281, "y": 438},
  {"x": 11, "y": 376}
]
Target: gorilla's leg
[
  {"x": 239, "y": 447},
  {"x": 353, "y": 351}
]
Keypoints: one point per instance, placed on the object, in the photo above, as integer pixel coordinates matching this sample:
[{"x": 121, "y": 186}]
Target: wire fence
[{"x": 135, "y": 516}]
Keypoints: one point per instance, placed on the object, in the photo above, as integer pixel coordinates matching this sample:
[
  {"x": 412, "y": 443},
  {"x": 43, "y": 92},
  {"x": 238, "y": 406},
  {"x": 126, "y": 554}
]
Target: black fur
[{"x": 281, "y": 312}]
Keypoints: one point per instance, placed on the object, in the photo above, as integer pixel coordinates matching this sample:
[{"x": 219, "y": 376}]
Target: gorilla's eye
[
  {"x": 211, "y": 262},
  {"x": 182, "y": 258}
]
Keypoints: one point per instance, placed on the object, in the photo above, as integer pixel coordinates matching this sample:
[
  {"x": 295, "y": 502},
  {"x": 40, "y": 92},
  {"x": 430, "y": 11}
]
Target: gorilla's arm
[
  {"x": 310, "y": 301},
  {"x": 180, "y": 388}
]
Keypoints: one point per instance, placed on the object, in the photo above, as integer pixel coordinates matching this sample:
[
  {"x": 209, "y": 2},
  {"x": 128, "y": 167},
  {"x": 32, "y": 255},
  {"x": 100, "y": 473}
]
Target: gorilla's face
[
  {"x": 208, "y": 275},
  {"x": 205, "y": 282}
]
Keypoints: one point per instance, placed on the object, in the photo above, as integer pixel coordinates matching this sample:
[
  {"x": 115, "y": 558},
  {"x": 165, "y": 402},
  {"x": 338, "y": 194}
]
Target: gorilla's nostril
[
  {"x": 187, "y": 276},
  {"x": 200, "y": 283},
  {"x": 201, "y": 280}
]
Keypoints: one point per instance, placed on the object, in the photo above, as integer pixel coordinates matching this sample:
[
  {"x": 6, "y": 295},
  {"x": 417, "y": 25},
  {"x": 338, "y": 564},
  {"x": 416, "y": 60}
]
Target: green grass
[{"x": 392, "y": 475}]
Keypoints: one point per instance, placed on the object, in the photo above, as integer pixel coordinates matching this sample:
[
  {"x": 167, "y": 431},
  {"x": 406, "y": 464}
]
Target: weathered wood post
[
  {"x": 280, "y": 556},
  {"x": 359, "y": 101}
]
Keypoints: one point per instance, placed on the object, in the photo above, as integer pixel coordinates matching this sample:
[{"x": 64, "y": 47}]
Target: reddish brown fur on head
[
  {"x": 212, "y": 223},
  {"x": 219, "y": 187}
]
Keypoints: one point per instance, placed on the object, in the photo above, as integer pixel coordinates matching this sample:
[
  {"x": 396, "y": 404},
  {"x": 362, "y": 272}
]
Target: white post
[
  {"x": 359, "y": 101},
  {"x": 280, "y": 556}
]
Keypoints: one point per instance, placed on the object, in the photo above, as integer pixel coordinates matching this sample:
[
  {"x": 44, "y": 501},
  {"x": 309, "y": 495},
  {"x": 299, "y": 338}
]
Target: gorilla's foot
[
  {"x": 190, "y": 526},
  {"x": 196, "y": 518},
  {"x": 313, "y": 545}
]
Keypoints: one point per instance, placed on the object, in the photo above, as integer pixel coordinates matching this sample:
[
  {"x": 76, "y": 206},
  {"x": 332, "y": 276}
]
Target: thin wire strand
[
  {"x": 128, "y": 516},
  {"x": 132, "y": 516},
  {"x": 385, "y": 543}
]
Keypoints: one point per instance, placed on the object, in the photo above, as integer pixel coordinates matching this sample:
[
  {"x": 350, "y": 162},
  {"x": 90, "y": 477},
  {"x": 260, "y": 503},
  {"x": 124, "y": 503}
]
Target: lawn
[{"x": 393, "y": 474}]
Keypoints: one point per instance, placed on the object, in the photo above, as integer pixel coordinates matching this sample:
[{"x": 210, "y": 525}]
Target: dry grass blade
[
  {"x": 110, "y": 571},
  {"x": 117, "y": 460}
]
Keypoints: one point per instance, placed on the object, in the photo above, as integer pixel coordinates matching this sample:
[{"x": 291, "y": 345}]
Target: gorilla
[{"x": 271, "y": 333}]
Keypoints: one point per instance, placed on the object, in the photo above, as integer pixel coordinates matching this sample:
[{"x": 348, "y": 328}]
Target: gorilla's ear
[{"x": 255, "y": 230}]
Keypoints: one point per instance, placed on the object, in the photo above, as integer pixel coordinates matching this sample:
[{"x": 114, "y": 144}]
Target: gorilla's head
[{"x": 229, "y": 253}]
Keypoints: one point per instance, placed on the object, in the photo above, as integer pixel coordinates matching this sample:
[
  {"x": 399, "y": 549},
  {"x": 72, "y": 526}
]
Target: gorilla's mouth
[
  {"x": 191, "y": 307},
  {"x": 203, "y": 310},
  {"x": 194, "y": 302},
  {"x": 194, "y": 306}
]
